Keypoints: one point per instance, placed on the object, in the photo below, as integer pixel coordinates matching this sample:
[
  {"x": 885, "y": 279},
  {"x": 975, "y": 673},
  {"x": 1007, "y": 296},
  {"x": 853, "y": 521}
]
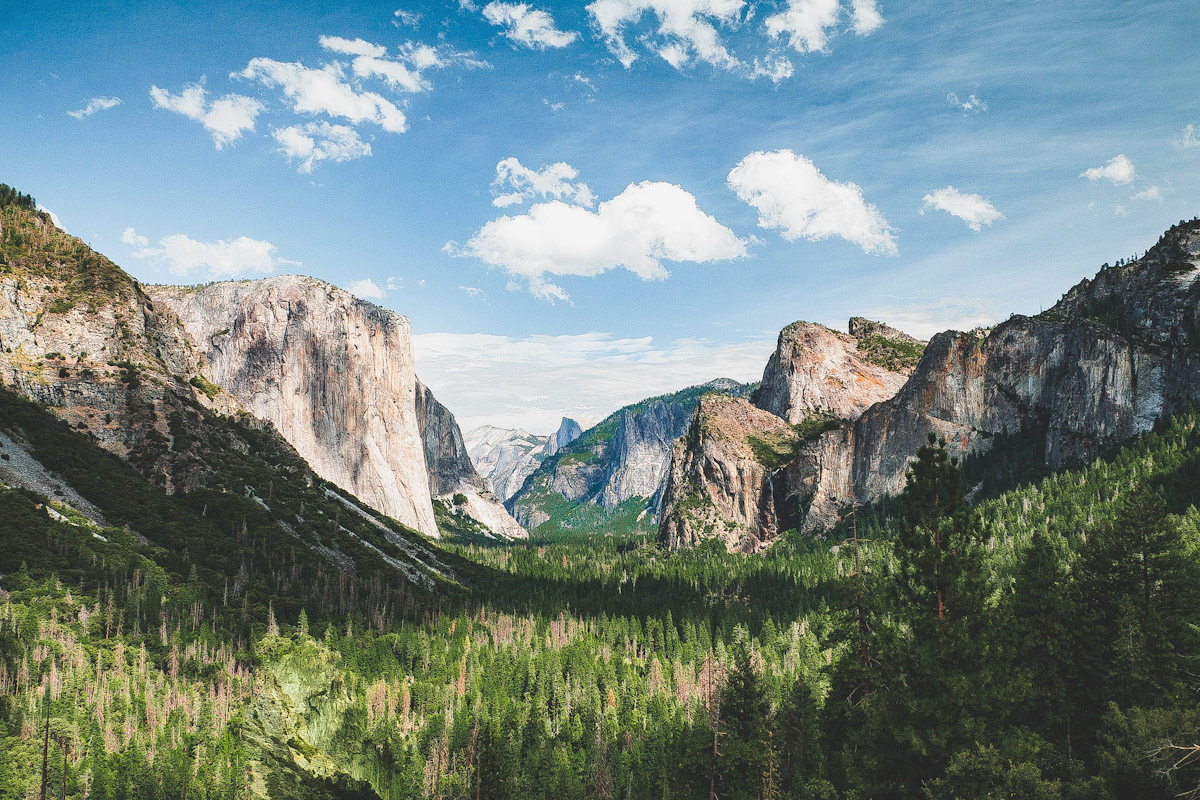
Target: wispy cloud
[
  {"x": 973, "y": 209},
  {"x": 792, "y": 196},
  {"x": 187, "y": 258},
  {"x": 1150, "y": 193},
  {"x": 525, "y": 25},
  {"x": 94, "y": 105},
  {"x": 320, "y": 141},
  {"x": 972, "y": 105},
  {"x": 226, "y": 118},
  {"x": 1188, "y": 138},
  {"x": 515, "y": 184},
  {"x": 533, "y": 382},
  {"x": 1118, "y": 170},
  {"x": 644, "y": 225}
]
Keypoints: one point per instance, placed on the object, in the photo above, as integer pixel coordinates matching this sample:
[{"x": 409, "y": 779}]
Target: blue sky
[{"x": 579, "y": 205}]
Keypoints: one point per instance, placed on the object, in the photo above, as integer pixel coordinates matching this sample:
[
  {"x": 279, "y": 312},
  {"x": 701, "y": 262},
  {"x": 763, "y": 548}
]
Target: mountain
[
  {"x": 1116, "y": 354},
  {"x": 568, "y": 431},
  {"x": 452, "y": 476},
  {"x": 505, "y": 457},
  {"x": 611, "y": 477},
  {"x": 334, "y": 374},
  {"x": 728, "y": 477},
  {"x": 107, "y": 409}
]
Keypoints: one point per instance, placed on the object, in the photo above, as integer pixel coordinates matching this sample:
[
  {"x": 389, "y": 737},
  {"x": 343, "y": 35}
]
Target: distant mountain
[
  {"x": 507, "y": 456},
  {"x": 610, "y": 479}
]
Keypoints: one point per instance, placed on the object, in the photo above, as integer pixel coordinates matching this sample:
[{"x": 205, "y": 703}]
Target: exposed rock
[
  {"x": 333, "y": 373},
  {"x": 723, "y": 476},
  {"x": 451, "y": 471},
  {"x": 505, "y": 457},
  {"x": 568, "y": 431},
  {"x": 1109, "y": 359},
  {"x": 618, "y": 466},
  {"x": 816, "y": 371}
]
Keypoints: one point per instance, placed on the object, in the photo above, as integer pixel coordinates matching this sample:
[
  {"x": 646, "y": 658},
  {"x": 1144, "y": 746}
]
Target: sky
[{"x": 582, "y": 204}]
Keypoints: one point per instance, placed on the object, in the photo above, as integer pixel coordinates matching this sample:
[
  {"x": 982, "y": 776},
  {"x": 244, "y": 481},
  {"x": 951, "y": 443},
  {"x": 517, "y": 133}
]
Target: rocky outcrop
[
  {"x": 568, "y": 431},
  {"x": 505, "y": 457},
  {"x": 451, "y": 471},
  {"x": 1113, "y": 356},
  {"x": 724, "y": 475},
  {"x": 618, "y": 466},
  {"x": 816, "y": 371},
  {"x": 333, "y": 373}
]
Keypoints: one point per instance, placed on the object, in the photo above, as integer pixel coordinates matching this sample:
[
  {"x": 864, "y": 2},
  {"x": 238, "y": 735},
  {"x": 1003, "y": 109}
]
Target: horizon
[{"x": 579, "y": 207}]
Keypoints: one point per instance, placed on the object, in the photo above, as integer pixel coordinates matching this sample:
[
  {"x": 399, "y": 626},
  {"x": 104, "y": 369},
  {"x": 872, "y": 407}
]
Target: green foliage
[
  {"x": 895, "y": 355},
  {"x": 773, "y": 451},
  {"x": 210, "y": 389}
]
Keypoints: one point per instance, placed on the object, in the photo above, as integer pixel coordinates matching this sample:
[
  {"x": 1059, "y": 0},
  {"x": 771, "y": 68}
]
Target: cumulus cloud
[
  {"x": 325, "y": 91},
  {"x": 320, "y": 141},
  {"x": 533, "y": 382},
  {"x": 646, "y": 224},
  {"x": 808, "y": 24},
  {"x": 793, "y": 196},
  {"x": 226, "y": 118},
  {"x": 972, "y": 209},
  {"x": 131, "y": 237},
  {"x": 402, "y": 72},
  {"x": 365, "y": 289},
  {"x": 527, "y": 26},
  {"x": 972, "y": 105},
  {"x": 686, "y": 29},
  {"x": 1119, "y": 171},
  {"x": 516, "y": 183},
  {"x": 1152, "y": 193},
  {"x": 1188, "y": 138},
  {"x": 94, "y": 105},
  {"x": 186, "y": 257},
  {"x": 865, "y": 17}
]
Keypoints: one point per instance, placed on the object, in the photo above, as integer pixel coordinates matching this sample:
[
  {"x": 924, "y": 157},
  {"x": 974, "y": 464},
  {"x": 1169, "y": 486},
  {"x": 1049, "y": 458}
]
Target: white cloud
[
  {"x": 226, "y": 118},
  {"x": 402, "y": 72},
  {"x": 473, "y": 292},
  {"x": 131, "y": 237},
  {"x": 556, "y": 107},
  {"x": 685, "y": 29},
  {"x": 973, "y": 209},
  {"x": 533, "y": 382},
  {"x": 930, "y": 317},
  {"x": 1189, "y": 138},
  {"x": 806, "y": 23},
  {"x": 404, "y": 17},
  {"x": 94, "y": 105},
  {"x": 866, "y": 18},
  {"x": 527, "y": 26},
  {"x": 556, "y": 181},
  {"x": 325, "y": 91},
  {"x": 185, "y": 257},
  {"x": 365, "y": 289},
  {"x": 394, "y": 282},
  {"x": 775, "y": 67},
  {"x": 792, "y": 196},
  {"x": 1153, "y": 193},
  {"x": 971, "y": 105},
  {"x": 647, "y": 223},
  {"x": 1119, "y": 171},
  {"x": 320, "y": 141}
]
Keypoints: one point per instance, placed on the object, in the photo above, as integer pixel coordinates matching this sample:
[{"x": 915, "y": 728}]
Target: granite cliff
[
  {"x": 505, "y": 457},
  {"x": 1114, "y": 355}
]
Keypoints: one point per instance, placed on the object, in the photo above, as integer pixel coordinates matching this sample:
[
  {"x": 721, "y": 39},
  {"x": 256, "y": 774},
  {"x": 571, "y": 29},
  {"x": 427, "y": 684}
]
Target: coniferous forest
[{"x": 1041, "y": 643}]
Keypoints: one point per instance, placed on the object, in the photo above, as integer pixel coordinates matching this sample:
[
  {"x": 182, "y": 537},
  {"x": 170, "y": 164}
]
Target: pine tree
[{"x": 745, "y": 712}]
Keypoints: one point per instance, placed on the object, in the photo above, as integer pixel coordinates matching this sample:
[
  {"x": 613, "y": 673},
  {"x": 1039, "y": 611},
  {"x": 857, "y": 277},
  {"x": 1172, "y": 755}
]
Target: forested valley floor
[{"x": 1041, "y": 643}]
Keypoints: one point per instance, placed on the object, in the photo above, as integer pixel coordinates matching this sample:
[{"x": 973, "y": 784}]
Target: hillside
[{"x": 610, "y": 479}]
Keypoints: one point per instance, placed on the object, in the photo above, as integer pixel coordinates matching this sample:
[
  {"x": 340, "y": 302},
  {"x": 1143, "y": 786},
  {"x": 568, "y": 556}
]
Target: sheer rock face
[
  {"x": 815, "y": 370},
  {"x": 568, "y": 431},
  {"x": 505, "y": 457},
  {"x": 642, "y": 451},
  {"x": 334, "y": 374},
  {"x": 1109, "y": 359},
  {"x": 719, "y": 486},
  {"x": 451, "y": 471}
]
